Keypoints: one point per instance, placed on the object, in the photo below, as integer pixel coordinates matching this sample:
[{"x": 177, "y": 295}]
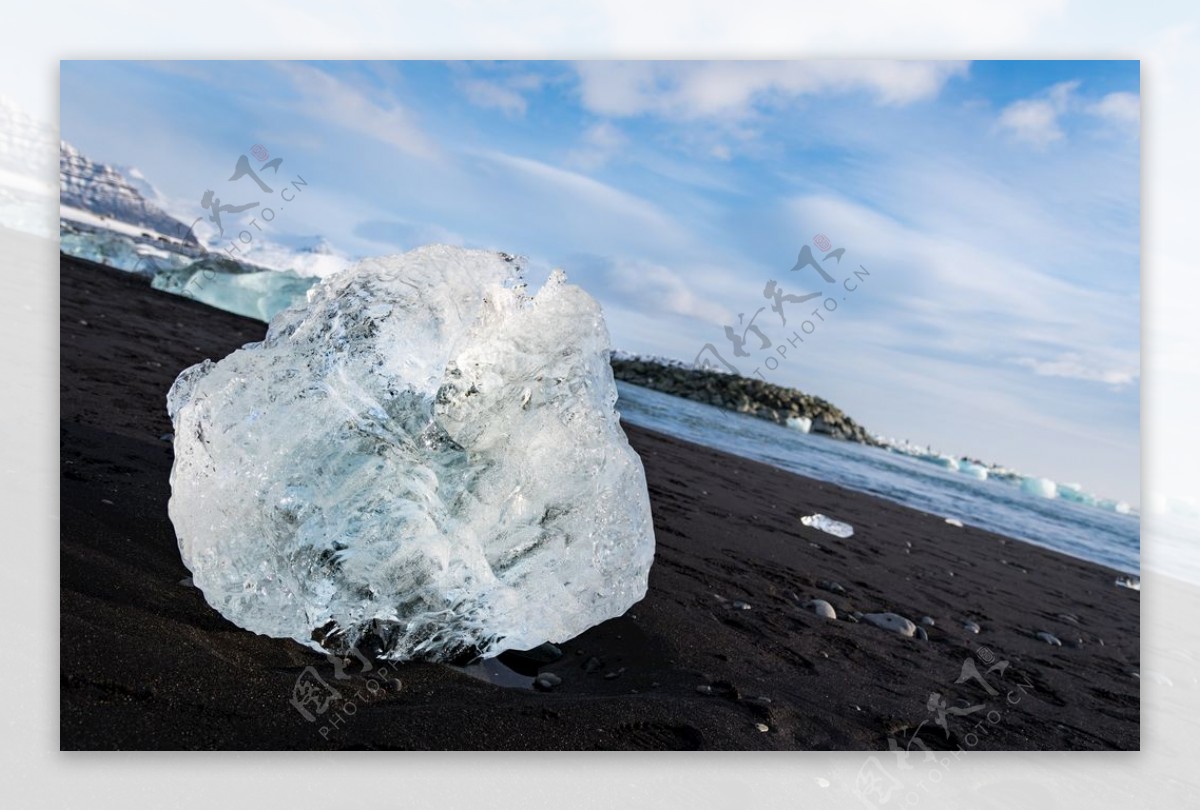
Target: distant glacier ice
[
  {"x": 211, "y": 278},
  {"x": 254, "y": 294}
]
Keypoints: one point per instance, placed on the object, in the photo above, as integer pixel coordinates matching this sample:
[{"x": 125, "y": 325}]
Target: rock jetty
[{"x": 745, "y": 395}]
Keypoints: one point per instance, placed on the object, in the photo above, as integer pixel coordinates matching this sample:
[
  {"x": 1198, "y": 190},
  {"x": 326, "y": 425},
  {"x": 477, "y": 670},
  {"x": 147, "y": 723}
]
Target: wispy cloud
[
  {"x": 1036, "y": 120},
  {"x": 1121, "y": 107},
  {"x": 1076, "y": 367},
  {"x": 651, "y": 288},
  {"x": 599, "y": 143},
  {"x": 693, "y": 90},
  {"x": 493, "y": 95},
  {"x": 584, "y": 196},
  {"x": 325, "y": 98}
]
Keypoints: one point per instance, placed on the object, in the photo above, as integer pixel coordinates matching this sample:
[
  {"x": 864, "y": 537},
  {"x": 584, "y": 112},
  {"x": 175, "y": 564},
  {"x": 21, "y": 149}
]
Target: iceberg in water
[
  {"x": 975, "y": 471},
  {"x": 801, "y": 424},
  {"x": 1115, "y": 506},
  {"x": 941, "y": 460},
  {"x": 1076, "y": 493},
  {"x": 423, "y": 461},
  {"x": 1039, "y": 487}
]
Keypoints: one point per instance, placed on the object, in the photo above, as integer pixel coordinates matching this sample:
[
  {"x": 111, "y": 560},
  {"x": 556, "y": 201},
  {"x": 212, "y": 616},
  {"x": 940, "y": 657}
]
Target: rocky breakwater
[{"x": 742, "y": 394}]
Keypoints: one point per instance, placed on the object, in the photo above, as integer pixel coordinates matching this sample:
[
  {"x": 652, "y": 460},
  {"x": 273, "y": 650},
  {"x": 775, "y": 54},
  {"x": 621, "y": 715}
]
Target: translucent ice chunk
[
  {"x": 255, "y": 294},
  {"x": 975, "y": 471},
  {"x": 1039, "y": 487},
  {"x": 422, "y": 461},
  {"x": 826, "y": 524},
  {"x": 801, "y": 424}
]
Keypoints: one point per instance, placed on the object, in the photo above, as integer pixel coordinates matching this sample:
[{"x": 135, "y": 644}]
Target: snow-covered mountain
[
  {"x": 143, "y": 186},
  {"x": 103, "y": 191}
]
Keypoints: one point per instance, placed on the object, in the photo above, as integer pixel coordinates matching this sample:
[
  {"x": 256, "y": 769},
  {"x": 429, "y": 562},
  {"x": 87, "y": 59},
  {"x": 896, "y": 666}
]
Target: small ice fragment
[
  {"x": 801, "y": 424},
  {"x": 826, "y": 524},
  {"x": 971, "y": 627},
  {"x": 1129, "y": 582},
  {"x": 1049, "y": 638},
  {"x": 954, "y": 522}
]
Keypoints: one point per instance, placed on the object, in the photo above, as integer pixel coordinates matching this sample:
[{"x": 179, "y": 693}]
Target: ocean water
[{"x": 1086, "y": 532}]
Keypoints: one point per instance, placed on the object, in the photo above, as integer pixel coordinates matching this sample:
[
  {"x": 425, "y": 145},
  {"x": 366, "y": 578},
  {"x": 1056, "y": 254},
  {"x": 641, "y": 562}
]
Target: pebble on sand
[
  {"x": 895, "y": 623},
  {"x": 831, "y": 585},
  {"x": 921, "y": 634},
  {"x": 971, "y": 627},
  {"x": 762, "y": 727},
  {"x": 546, "y": 682},
  {"x": 928, "y": 621},
  {"x": 1049, "y": 638},
  {"x": 822, "y": 609}
]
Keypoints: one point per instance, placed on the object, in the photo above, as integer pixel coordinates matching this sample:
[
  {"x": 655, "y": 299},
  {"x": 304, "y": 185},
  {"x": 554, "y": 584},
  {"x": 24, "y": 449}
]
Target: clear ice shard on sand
[
  {"x": 422, "y": 462},
  {"x": 827, "y": 524}
]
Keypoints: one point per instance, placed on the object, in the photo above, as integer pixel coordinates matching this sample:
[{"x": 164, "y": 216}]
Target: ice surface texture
[{"x": 423, "y": 461}]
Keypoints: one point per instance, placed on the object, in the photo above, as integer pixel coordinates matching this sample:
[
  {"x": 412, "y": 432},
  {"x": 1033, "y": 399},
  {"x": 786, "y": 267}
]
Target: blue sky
[{"x": 995, "y": 204}]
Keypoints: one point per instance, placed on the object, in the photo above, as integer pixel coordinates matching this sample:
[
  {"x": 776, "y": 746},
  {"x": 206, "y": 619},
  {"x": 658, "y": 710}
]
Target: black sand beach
[{"x": 146, "y": 664}]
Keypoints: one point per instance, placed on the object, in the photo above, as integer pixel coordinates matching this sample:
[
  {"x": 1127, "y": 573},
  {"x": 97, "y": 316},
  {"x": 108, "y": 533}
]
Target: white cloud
[
  {"x": 328, "y": 99},
  {"x": 692, "y": 90},
  {"x": 1123, "y": 108},
  {"x": 1036, "y": 120},
  {"x": 591, "y": 198},
  {"x": 599, "y": 143},
  {"x": 483, "y": 93},
  {"x": 1076, "y": 367},
  {"x": 656, "y": 289},
  {"x": 496, "y": 86}
]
